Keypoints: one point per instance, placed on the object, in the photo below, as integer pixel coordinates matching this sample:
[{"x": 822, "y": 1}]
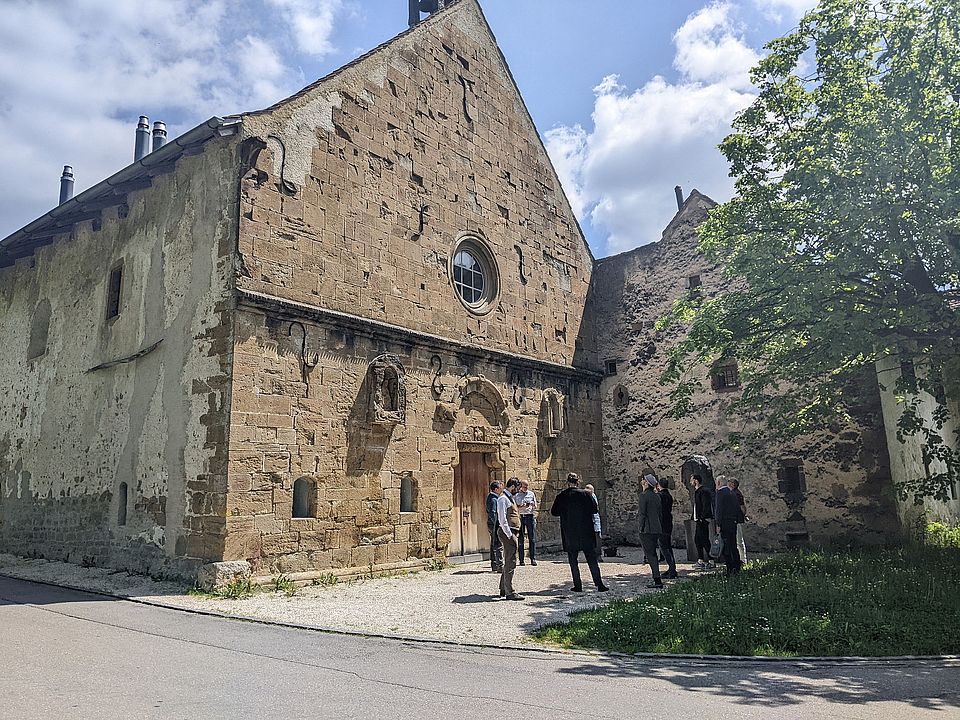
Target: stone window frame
[
  {"x": 788, "y": 486},
  {"x": 725, "y": 376},
  {"x": 303, "y": 505},
  {"x": 123, "y": 495},
  {"x": 610, "y": 367},
  {"x": 477, "y": 246},
  {"x": 39, "y": 330},
  {"x": 114, "y": 296}
]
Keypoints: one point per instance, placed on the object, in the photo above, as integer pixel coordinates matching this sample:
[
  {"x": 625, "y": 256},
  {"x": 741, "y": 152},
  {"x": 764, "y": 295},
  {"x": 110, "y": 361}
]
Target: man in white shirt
[
  {"x": 508, "y": 527},
  {"x": 527, "y": 504}
]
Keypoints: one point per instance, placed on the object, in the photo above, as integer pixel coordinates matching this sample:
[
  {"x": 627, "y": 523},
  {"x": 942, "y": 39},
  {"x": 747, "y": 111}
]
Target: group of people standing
[
  {"x": 511, "y": 522},
  {"x": 725, "y": 509}
]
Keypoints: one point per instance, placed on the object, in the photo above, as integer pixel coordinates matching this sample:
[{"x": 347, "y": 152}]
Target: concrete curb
[{"x": 804, "y": 661}]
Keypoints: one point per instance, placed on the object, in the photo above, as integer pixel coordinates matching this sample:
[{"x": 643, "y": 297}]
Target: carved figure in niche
[
  {"x": 388, "y": 391},
  {"x": 553, "y": 408},
  {"x": 479, "y": 385}
]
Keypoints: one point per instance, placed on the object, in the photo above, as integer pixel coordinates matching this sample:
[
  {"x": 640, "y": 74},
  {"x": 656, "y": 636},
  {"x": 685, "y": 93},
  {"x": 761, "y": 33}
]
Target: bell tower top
[{"x": 417, "y": 7}]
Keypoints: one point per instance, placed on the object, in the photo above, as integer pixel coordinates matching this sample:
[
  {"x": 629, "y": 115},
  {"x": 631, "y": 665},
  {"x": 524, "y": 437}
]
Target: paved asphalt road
[{"x": 66, "y": 654}]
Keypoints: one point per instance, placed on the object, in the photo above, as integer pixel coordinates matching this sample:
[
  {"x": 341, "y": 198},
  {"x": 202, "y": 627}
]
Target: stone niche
[
  {"x": 388, "y": 391},
  {"x": 553, "y": 413}
]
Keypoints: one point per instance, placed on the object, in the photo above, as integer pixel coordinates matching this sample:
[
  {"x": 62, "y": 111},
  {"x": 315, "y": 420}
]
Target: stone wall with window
[
  {"x": 832, "y": 487},
  {"x": 401, "y": 223},
  {"x": 361, "y": 192},
  {"x": 114, "y": 358},
  {"x": 379, "y": 470}
]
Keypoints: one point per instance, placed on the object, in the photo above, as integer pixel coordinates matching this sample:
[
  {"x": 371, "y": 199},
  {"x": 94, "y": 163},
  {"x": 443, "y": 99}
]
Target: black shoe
[
  {"x": 515, "y": 597},
  {"x": 576, "y": 588},
  {"x": 602, "y": 588},
  {"x": 522, "y": 563},
  {"x": 671, "y": 576},
  {"x": 655, "y": 584},
  {"x": 496, "y": 570},
  {"x": 533, "y": 562}
]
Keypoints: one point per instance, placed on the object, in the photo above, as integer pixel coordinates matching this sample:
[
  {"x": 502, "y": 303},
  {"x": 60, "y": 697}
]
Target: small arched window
[
  {"x": 39, "y": 330},
  {"x": 122, "y": 504},
  {"x": 302, "y": 489}
]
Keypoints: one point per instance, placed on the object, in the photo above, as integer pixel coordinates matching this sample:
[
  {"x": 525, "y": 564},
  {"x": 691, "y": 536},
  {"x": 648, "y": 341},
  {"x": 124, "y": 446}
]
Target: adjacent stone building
[
  {"x": 834, "y": 487},
  {"x": 309, "y": 337}
]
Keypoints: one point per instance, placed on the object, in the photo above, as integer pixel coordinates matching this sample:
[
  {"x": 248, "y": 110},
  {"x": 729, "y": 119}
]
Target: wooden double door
[{"x": 468, "y": 521}]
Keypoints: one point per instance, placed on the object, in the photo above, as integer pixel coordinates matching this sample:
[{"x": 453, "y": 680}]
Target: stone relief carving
[
  {"x": 388, "y": 391},
  {"x": 478, "y": 384},
  {"x": 553, "y": 407},
  {"x": 621, "y": 396}
]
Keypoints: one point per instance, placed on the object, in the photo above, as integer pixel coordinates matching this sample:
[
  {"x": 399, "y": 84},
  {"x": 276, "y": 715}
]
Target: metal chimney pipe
[
  {"x": 66, "y": 184},
  {"x": 679, "y": 192},
  {"x": 414, "y": 16},
  {"x": 142, "y": 146},
  {"x": 159, "y": 135}
]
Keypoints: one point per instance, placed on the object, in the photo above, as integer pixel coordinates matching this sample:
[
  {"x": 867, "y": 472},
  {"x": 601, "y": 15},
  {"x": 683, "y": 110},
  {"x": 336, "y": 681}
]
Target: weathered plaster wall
[
  {"x": 849, "y": 494},
  {"x": 69, "y": 435},
  {"x": 906, "y": 458},
  {"x": 431, "y": 123},
  {"x": 284, "y": 428}
]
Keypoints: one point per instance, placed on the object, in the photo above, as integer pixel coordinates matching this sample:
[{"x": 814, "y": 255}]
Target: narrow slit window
[
  {"x": 611, "y": 367},
  {"x": 122, "y": 504},
  {"x": 114, "y": 288},
  {"x": 406, "y": 493},
  {"x": 694, "y": 282}
]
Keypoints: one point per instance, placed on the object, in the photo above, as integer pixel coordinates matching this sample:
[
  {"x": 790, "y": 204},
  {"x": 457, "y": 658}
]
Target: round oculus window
[{"x": 474, "y": 275}]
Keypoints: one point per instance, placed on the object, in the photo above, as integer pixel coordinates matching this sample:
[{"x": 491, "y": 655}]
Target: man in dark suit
[
  {"x": 496, "y": 548},
  {"x": 651, "y": 526},
  {"x": 666, "y": 527},
  {"x": 575, "y": 508},
  {"x": 727, "y": 516},
  {"x": 702, "y": 515}
]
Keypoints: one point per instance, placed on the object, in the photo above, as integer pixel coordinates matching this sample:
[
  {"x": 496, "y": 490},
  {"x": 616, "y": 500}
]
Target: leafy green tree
[{"x": 842, "y": 246}]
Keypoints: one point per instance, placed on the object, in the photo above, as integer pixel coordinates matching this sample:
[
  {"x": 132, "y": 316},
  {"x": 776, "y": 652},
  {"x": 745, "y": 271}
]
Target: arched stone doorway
[{"x": 481, "y": 418}]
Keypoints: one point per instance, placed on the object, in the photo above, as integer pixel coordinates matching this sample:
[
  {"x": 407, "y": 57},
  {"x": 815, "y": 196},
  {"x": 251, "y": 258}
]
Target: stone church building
[{"x": 308, "y": 337}]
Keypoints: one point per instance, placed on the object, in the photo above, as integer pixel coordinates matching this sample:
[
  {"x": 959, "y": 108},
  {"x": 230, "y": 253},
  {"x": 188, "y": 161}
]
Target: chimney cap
[
  {"x": 67, "y": 171},
  {"x": 144, "y": 121}
]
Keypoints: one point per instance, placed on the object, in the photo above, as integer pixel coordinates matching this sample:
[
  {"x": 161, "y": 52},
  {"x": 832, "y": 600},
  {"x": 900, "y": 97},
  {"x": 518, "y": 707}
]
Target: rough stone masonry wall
[
  {"x": 848, "y": 488},
  {"x": 70, "y": 435},
  {"x": 284, "y": 429},
  {"x": 353, "y": 195}
]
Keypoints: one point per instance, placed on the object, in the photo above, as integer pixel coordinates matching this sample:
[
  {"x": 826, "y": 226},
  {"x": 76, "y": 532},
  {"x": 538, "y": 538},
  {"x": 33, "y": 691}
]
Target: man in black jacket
[
  {"x": 702, "y": 515},
  {"x": 496, "y": 549},
  {"x": 666, "y": 528},
  {"x": 649, "y": 515},
  {"x": 575, "y": 508},
  {"x": 728, "y": 515}
]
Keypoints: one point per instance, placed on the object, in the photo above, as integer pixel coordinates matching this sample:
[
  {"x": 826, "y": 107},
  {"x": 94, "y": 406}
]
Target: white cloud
[
  {"x": 74, "y": 76},
  {"x": 621, "y": 173},
  {"x": 793, "y": 9},
  {"x": 311, "y": 22}
]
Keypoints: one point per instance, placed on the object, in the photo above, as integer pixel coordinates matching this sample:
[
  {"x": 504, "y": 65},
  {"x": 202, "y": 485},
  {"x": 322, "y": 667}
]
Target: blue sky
[{"x": 631, "y": 96}]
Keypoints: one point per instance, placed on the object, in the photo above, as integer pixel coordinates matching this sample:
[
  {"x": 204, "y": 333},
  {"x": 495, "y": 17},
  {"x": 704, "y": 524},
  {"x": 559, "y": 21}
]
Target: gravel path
[{"x": 459, "y": 603}]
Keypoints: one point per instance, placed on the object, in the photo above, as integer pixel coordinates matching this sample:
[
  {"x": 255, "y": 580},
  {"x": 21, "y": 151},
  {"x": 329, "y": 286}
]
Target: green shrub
[
  {"x": 937, "y": 534},
  {"x": 326, "y": 579},
  {"x": 238, "y": 588}
]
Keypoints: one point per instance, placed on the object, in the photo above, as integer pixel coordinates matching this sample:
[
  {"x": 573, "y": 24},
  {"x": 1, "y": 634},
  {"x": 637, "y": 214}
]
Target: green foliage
[
  {"x": 326, "y": 580},
  {"x": 436, "y": 564},
  {"x": 842, "y": 246},
  {"x": 238, "y": 588},
  {"x": 285, "y": 585},
  {"x": 939, "y": 535},
  {"x": 869, "y": 603}
]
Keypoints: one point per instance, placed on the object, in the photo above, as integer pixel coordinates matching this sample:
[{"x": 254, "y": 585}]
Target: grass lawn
[{"x": 903, "y": 601}]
